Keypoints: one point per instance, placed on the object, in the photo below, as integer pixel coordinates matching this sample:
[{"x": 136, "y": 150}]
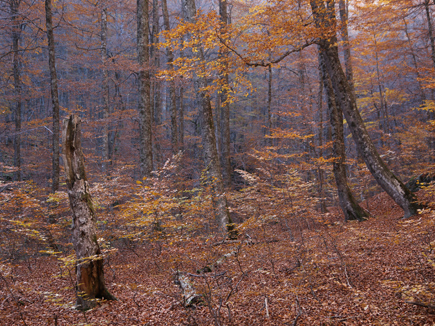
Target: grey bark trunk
[
  {"x": 343, "y": 8},
  {"x": 54, "y": 94},
  {"x": 105, "y": 81},
  {"x": 89, "y": 269},
  {"x": 225, "y": 107},
  {"x": 16, "y": 35},
  {"x": 209, "y": 140},
  {"x": 172, "y": 97},
  {"x": 350, "y": 207},
  {"x": 144, "y": 105},
  {"x": 346, "y": 101},
  {"x": 430, "y": 29}
]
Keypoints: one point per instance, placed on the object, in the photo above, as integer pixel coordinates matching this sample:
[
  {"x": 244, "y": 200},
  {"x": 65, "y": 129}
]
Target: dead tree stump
[{"x": 90, "y": 275}]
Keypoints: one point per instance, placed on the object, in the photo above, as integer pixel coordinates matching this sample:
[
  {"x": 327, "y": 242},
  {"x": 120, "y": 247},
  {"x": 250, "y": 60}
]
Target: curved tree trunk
[
  {"x": 90, "y": 275},
  {"x": 345, "y": 99},
  {"x": 350, "y": 207}
]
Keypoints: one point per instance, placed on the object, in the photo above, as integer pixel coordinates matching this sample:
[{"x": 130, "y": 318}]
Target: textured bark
[
  {"x": 90, "y": 275},
  {"x": 225, "y": 107},
  {"x": 105, "y": 81},
  {"x": 16, "y": 35},
  {"x": 346, "y": 100},
  {"x": 144, "y": 105},
  {"x": 209, "y": 140},
  {"x": 54, "y": 94},
  {"x": 172, "y": 97},
  {"x": 350, "y": 207}
]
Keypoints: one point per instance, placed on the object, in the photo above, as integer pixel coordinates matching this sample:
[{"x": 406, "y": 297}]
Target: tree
[
  {"x": 105, "y": 85},
  {"x": 324, "y": 17},
  {"x": 144, "y": 105},
  {"x": 348, "y": 203},
  {"x": 54, "y": 93},
  {"x": 90, "y": 273},
  {"x": 208, "y": 136}
]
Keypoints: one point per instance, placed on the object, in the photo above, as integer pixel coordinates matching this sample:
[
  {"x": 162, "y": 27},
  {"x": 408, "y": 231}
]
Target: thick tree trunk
[
  {"x": 54, "y": 94},
  {"x": 209, "y": 139},
  {"x": 16, "y": 35},
  {"x": 350, "y": 207},
  {"x": 225, "y": 106},
  {"x": 105, "y": 81},
  {"x": 90, "y": 275},
  {"x": 346, "y": 100},
  {"x": 144, "y": 105},
  {"x": 430, "y": 30},
  {"x": 172, "y": 97}
]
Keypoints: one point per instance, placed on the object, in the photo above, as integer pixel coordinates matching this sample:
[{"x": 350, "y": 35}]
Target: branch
[{"x": 263, "y": 63}]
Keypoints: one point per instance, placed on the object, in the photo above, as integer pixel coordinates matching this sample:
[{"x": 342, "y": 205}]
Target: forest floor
[{"x": 323, "y": 272}]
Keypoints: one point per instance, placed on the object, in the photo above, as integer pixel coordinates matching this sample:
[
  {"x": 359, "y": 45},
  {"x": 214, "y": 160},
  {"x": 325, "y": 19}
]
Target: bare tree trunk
[
  {"x": 209, "y": 139},
  {"x": 144, "y": 106},
  {"x": 350, "y": 207},
  {"x": 347, "y": 102},
  {"x": 343, "y": 8},
  {"x": 105, "y": 81},
  {"x": 172, "y": 97},
  {"x": 225, "y": 106},
  {"x": 16, "y": 35},
  {"x": 90, "y": 274},
  {"x": 54, "y": 94}
]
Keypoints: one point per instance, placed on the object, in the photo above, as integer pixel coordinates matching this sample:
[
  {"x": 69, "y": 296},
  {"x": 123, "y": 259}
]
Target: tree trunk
[
  {"x": 144, "y": 105},
  {"x": 347, "y": 102},
  {"x": 90, "y": 274},
  {"x": 350, "y": 207},
  {"x": 105, "y": 81},
  {"x": 209, "y": 140},
  {"x": 16, "y": 35},
  {"x": 430, "y": 29},
  {"x": 225, "y": 106},
  {"x": 343, "y": 9},
  {"x": 54, "y": 94},
  {"x": 172, "y": 97}
]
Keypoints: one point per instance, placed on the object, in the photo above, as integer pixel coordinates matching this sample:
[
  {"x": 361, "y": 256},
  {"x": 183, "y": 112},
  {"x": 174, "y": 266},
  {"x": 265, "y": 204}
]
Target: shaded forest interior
[{"x": 190, "y": 162}]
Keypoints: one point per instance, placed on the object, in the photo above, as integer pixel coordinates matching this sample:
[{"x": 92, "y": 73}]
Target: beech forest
[{"x": 222, "y": 162}]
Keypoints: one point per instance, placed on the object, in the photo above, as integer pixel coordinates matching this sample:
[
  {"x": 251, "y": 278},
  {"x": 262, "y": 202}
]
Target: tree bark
[
  {"x": 90, "y": 274},
  {"x": 344, "y": 17},
  {"x": 16, "y": 35},
  {"x": 430, "y": 30},
  {"x": 172, "y": 97},
  {"x": 347, "y": 102},
  {"x": 54, "y": 94},
  {"x": 350, "y": 207},
  {"x": 105, "y": 81},
  {"x": 209, "y": 140},
  {"x": 225, "y": 106},
  {"x": 144, "y": 105}
]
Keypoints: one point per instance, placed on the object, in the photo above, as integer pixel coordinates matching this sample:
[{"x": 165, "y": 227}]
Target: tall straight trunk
[
  {"x": 54, "y": 94},
  {"x": 344, "y": 17},
  {"x": 320, "y": 171},
  {"x": 209, "y": 140},
  {"x": 16, "y": 35},
  {"x": 181, "y": 116},
  {"x": 172, "y": 96},
  {"x": 156, "y": 84},
  {"x": 144, "y": 105},
  {"x": 346, "y": 100},
  {"x": 89, "y": 267},
  {"x": 225, "y": 106},
  {"x": 105, "y": 81},
  {"x": 350, "y": 207},
  {"x": 269, "y": 105}
]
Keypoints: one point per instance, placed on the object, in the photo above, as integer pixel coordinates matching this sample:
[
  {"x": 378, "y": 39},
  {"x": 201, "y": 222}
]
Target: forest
[{"x": 223, "y": 162}]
